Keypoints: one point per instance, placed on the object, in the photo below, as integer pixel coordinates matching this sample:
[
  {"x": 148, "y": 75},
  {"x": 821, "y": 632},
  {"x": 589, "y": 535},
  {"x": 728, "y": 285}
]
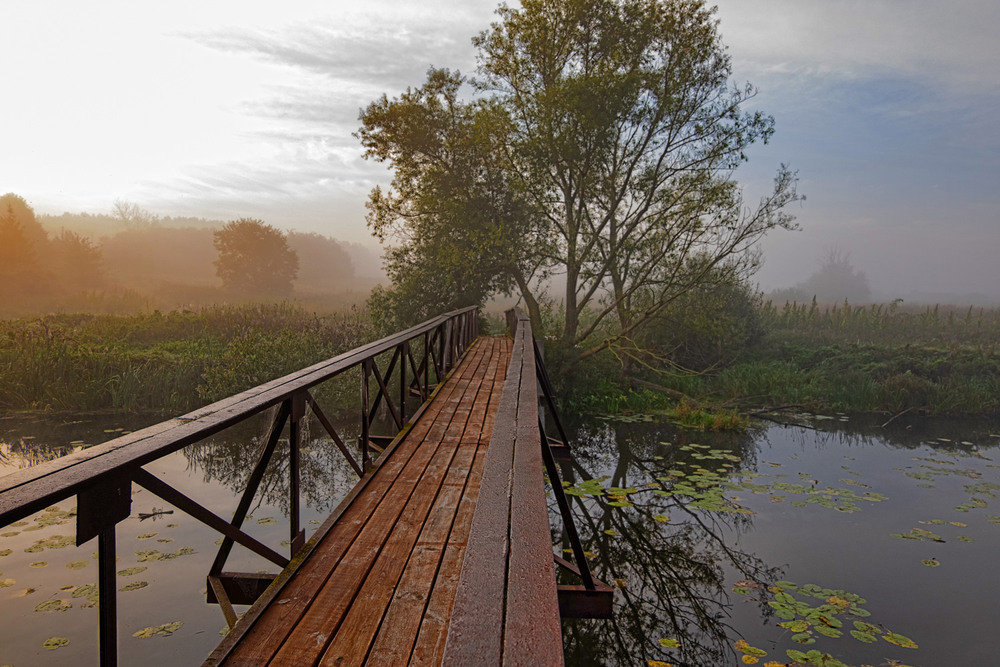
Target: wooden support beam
[
  {"x": 576, "y": 601},
  {"x": 239, "y": 587}
]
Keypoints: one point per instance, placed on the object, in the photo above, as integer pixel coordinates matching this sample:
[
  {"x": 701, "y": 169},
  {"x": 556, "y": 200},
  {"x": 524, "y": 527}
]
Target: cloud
[{"x": 952, "y": 44}]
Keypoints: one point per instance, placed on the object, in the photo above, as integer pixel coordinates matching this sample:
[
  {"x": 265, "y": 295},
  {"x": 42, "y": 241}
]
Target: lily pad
[
  {"x": 164, "y": 630},
  {"x": 899, "y": 640},
  {"x": 134, "y": 586},
  {"x": 129, "y": 572},
  {"x": 52, "y": 643},
  {"x": 53, "y": 605}
]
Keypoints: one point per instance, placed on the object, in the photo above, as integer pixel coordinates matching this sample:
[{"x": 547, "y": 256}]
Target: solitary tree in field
[
  {"x": 254, "y": 259},
  {"x": 76, "y": 262},
  {"x": 130, "y": 215},
  {"x": 600, "y": 148}
]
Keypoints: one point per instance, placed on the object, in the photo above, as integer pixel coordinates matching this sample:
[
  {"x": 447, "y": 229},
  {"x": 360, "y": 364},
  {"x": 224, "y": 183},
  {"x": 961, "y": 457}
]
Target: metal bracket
[{"x": 102, "y": 506}]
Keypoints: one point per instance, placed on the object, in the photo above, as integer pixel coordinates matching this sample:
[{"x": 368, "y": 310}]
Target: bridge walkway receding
[{"x": 377, "y": 582}]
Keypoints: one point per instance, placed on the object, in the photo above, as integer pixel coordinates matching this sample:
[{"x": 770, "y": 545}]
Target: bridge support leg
[{"x": 99, "y": 509}]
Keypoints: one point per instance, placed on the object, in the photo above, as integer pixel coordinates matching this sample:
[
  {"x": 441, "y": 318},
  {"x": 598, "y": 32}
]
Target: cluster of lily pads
[
  {"x": 800, "y": 616},
  {"x": 86, "y": 595},
  {"x": 710, "y": 480}
]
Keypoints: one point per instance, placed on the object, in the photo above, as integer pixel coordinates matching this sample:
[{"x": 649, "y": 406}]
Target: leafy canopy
[
  {"x": 597, "y": 146},
  {"x": 254, "y": 259}
]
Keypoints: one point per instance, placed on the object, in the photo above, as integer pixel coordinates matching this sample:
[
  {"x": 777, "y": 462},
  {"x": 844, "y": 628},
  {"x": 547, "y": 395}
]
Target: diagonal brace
[{"x": 168, "y": 493}]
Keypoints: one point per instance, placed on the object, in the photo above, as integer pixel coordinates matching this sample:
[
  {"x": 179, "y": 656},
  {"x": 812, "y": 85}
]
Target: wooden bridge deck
[{"x": 377, "y": 583}]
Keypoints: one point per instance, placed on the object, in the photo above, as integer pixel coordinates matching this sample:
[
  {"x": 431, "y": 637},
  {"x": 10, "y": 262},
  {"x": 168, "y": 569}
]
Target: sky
[{"x": 887, "y": 109}]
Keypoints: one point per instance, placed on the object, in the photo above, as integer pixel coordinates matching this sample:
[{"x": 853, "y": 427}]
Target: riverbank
[
  {"x": 163, "y": 362},
  {"x": 938, "y": 360}
]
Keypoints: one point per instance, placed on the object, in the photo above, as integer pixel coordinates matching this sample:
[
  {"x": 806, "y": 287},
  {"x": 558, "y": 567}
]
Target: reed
[{"x": 163, "y": 362}]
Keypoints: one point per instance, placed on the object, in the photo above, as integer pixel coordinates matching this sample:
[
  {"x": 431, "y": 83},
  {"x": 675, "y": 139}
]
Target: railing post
[
  {"x": 366, "y": 371},
  {"x": 404, "y": 357},
  {"x": 298, "y": 410},
  {"x": 99, "y": 509},
  {"x": 446, "y": 346},
  {"x": 107, "y": 598},
  {"x": 427, "y": 367}
]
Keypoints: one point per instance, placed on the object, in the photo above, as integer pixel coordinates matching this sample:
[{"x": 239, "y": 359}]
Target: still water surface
[
  {"x": 901, "y": 524},
  {"x": 898, "y": 526}
]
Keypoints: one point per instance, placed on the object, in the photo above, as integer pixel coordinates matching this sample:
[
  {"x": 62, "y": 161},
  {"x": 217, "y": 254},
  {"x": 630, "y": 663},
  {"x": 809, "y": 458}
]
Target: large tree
[
  {"x": 254, "y": 259},
  {"x": 600, "y": 148}
]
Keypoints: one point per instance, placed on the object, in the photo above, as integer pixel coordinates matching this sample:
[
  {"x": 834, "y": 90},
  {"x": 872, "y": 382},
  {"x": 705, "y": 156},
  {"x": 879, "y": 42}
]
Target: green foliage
[
  {"x": 940, "y": 360},
  {"x": 601, "y": 147},
  {"x": 708, "y": 326},
  {"x": 162, "y": 362},
  {"x": 254, "y": 259},
  {"x": 461, "y": 225}
]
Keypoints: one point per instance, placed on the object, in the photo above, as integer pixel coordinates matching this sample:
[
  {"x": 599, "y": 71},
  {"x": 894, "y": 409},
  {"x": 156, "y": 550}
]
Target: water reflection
[
  {"x": 163, "y": 558},
  {"x": 326, "y": 476},
  {"x": 676, "y": 556},
  {"x": 670, "y": 562}
]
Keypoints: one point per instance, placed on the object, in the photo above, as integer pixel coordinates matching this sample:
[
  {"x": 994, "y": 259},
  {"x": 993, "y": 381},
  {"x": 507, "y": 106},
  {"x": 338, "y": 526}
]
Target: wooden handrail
[
  {"x": 30, "y": 490},
  {"x": 102, "y": 476}
]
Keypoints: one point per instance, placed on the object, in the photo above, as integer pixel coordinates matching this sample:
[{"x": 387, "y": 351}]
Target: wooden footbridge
[{"x": 441, "y": 554}]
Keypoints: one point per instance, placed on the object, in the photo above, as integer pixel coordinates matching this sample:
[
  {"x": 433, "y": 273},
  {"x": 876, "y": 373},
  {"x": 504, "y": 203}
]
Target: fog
[
  {"x": 886, "y": 109},
  {"x": 132, "y": 259}
]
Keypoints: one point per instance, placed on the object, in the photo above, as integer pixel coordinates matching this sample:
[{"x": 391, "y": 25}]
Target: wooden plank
[
  {"x": 475, "y": 630},
  {"x": 532, "y": 631},
  {"x": 402, "y": 620},
  {"x": 392, "y": 602},
  {"x": 428, "y": 648},
  {"x": 26, "y": 491},
  {"x": 361, "y": 622},
  {"x": 326, "y": 610},
  {"x": 271, "y": 625}
]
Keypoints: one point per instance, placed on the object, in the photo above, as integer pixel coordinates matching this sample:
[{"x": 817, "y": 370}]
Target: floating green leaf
[
  {"x": 164, "y": 630},
  {"x": 52, "y": 643},
  {"x": 899, "y": 640},
  {"x": 134, "y": 586},
  {"x": 795, "y": 626},
  {"x": 669, "y": 643},
  {"x": 53, "y": 605},
  {"x": 132, "y": 571},
  {"x": 918, "y": 534}
]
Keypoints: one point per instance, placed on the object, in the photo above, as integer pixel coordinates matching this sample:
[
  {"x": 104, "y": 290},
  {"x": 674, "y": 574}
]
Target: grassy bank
[
  {"x": 880, "y": 358},
  {"x": 162, "y": 362}
]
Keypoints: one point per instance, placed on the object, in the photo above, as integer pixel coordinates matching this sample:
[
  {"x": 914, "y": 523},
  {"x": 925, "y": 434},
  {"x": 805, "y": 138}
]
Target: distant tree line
[
  {"x": 132, "y": 250},
  {"x": 835, "y": 280}
]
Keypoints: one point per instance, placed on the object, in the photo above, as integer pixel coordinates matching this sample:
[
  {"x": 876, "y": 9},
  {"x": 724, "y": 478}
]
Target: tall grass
[
  {"x": 891, "y": 323},
  {"x": 164, "y": 362},
  {"x": 878, "y": 358}
]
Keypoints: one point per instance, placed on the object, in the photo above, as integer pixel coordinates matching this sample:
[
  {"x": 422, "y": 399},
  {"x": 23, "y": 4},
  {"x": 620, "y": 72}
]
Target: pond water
[
  {"x": 725, "y": 548},
  {"x": 47, "y": 585},
  {"x": 712, "y": 540}
]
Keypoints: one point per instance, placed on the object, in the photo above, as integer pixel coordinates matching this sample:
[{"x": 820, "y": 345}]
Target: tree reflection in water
[
  {"x": 229, "y": 458},
  {"x": 670, "y": 575}
]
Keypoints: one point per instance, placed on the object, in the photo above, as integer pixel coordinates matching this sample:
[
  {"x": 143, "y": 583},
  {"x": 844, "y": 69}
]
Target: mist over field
[{"x": 883, "y": 109}]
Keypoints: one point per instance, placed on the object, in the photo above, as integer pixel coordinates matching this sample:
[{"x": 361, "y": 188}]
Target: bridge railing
[
  {"x": 508, "y": 604},
  {"x": 419, "y": 359}
]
